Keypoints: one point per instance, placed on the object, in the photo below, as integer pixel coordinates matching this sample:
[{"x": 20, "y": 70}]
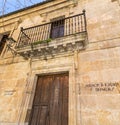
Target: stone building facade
[{"x": 89, "y": 55}]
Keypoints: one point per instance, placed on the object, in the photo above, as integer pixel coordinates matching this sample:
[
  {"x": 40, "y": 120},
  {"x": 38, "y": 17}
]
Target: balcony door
[
  {"x": 50, "y": 106},
  {"x": 57, "y": 28}
]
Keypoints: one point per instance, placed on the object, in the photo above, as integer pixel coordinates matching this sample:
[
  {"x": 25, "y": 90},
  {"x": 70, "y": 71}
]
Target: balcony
[{"x": 60, "y": 35}]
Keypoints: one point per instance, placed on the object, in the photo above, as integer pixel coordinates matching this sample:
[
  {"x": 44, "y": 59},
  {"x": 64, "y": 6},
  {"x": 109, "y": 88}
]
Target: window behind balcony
[
  {"x": 3, "y": 41},
  {"x": 57, "y": 28}
]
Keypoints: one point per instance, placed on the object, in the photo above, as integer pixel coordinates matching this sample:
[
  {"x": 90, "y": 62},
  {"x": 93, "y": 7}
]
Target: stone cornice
[
  {"x": 55, "y": 47},
  {"x": 42, "y": 9}
]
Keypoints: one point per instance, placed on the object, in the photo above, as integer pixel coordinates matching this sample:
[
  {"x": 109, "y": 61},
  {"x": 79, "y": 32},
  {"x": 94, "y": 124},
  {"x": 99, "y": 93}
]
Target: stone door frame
[{"x": 72, "y": 91}]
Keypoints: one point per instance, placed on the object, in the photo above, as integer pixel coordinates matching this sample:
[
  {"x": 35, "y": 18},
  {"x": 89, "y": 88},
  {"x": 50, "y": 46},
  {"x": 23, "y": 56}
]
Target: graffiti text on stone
[{"x": 102, "y": 86}]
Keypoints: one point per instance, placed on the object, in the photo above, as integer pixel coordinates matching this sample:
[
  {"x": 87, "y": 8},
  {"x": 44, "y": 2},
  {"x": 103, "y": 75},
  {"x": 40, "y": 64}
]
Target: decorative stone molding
[
  {"x": 9, "y": 92},
  {"x": 116, "y": 1},
  {"x": 44, "y": 16},
  {"x": 18, "y": 21},
  {"x": 55, "y": 47},
  {"x": 71, "y": 9},
  {"x": 119, "y": 2},
  {"x": 67, "y": 4}
]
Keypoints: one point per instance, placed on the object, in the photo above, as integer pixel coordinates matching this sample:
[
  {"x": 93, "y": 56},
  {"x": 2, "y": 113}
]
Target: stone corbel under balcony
[{"x": 62, "y": 45}]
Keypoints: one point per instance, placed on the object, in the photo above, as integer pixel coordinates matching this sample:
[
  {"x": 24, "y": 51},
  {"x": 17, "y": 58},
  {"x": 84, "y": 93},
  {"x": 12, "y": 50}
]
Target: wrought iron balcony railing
[{"x": 55, "y": 29}]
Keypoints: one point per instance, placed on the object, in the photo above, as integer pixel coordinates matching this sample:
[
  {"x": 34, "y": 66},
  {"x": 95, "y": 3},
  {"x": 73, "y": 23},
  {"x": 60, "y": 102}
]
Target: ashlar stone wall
[{"x": 94, "y": 80}]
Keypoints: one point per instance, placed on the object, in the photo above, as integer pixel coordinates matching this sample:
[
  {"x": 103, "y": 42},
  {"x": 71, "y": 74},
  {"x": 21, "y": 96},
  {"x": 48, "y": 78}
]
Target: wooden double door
[{"x": 50, "y": 105}]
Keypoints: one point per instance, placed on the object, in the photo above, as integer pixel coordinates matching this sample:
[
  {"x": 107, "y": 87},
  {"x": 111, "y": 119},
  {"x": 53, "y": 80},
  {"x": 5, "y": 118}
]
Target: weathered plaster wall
[{"x": 99, "y": 63}]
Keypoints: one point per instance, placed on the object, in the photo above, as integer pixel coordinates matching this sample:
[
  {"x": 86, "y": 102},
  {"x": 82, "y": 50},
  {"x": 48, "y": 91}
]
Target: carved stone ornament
[{"x": 56, "y": 46}]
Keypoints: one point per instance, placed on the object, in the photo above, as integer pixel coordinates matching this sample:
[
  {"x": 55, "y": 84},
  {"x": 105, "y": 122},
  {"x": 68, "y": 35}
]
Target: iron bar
[{"x": 58, "y": 28}]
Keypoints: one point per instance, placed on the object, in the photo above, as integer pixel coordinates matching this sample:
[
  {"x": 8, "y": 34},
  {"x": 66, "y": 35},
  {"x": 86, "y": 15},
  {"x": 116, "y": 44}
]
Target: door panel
[
  {"x": 38, "y": 92},
  {"x": 50, "y": 106},
  {"x": 42, "y": 117},
  {"x": 54, "y": 109},
  {"x": 35, "y": 115}
]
